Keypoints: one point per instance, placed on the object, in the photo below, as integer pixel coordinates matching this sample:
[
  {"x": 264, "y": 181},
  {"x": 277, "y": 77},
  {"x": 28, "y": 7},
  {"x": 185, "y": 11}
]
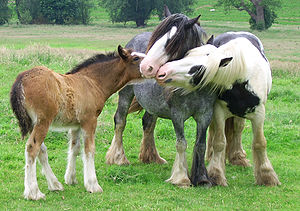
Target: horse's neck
[{"x": 108, "y": 77}]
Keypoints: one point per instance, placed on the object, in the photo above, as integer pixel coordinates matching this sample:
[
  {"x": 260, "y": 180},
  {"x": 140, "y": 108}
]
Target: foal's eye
[
  {"x": 207, "y": 54},
  {"x": 136, "y": 58}
]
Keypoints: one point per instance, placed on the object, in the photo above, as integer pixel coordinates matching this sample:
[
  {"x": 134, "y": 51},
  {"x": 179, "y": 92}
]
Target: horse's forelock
[{"x": 165, "y": 26}]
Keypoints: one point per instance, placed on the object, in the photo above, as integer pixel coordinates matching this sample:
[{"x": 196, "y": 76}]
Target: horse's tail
[
  {"x": 17, "y": 103},
  {"x": 224, "y": 76},
  {"x": 135, "y": 106}
]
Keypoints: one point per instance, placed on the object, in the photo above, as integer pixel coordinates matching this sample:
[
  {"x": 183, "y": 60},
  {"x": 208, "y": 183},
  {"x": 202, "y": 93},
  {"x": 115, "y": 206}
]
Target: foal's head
[
  {"x": 172, "y": 38},
  {"x": 131, "y": 62}
]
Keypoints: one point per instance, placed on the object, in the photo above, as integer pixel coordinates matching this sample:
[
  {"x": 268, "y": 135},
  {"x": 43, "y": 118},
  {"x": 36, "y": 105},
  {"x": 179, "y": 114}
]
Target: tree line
[{"x": 262, "y": 12}]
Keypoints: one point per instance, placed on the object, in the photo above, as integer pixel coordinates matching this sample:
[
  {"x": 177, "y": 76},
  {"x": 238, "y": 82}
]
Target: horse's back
[{"x": 140, "y": 42}]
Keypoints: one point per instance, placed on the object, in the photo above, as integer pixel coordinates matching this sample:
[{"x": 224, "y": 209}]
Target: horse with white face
[
  {"x": 242, "y": 76},
  {"x": 171, "y": 40},
  {"x": 42, "y": 99}
]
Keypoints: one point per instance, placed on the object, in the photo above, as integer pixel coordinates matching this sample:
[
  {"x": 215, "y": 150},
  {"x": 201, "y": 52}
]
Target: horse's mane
[
  {"x": 94, "y": 59},
  {"x": 175, "y": 44},
  {"x": 236, "y": 70}
]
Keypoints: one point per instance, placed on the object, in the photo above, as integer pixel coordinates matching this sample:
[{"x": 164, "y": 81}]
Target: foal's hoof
[
  {"x": 55, "y": 186},
  {"x": 94, "y": 188},
  {"x": 240, "y": 162},
  {"x": 34, "y": 194}
]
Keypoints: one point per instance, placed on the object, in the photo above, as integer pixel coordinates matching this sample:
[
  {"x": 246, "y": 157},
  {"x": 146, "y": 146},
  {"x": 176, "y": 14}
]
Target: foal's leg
[
  {"x": 88, "y": 157},
  {"x": 148, "y": 152},
  {"x": 216, "y": 167},
  {"x": 53, "y": 183},
  {"x": 115, "y": 153},
  {"x": 234, "y": 150},
  {"x": 180, "y": 168},
  {"x": 199, "y": 173},
  {"x": 32, "y": 150},
  {"x": 263, "y": 170},
  {"x": 74, "y": 150}
]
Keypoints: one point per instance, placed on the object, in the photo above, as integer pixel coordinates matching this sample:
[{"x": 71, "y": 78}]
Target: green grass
[{"x": 142, "y": 186}]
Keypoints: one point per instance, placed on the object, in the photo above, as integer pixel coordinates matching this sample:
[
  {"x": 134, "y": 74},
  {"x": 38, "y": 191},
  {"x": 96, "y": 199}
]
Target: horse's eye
[
  {"x": 136, "y": 58},
  {"x": 207, "y": 54}
]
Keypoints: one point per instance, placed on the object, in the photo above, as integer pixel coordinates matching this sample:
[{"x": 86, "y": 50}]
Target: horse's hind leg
[
  {"x": 115, "y": 153},
  {"x": 180, "y": 169},
  {"x": 234, "y": 150},
  {"x": 263, "y": 170},
  {"x": 88, "y": 157},
  {"x": 53, "y": 183},
  {"x": 32, "y": 150},
  {"x": 148, "y": 152},
  {"x": 74, "y": 150}
]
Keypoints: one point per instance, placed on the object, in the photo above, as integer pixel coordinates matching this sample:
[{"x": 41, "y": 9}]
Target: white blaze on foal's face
[{"x": 157, "y": 55}]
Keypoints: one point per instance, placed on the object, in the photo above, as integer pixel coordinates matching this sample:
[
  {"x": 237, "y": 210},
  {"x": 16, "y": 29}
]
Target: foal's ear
[
  {"x": 225, "y": 61},
  {"x": 210, "y": 40},
  {"x": 122, "y": 52},
  {"x": 191, "y": 22}
]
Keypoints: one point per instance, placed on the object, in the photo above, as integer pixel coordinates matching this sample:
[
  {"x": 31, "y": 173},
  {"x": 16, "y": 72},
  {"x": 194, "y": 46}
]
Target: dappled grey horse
[{"x": 165, "y": 103}]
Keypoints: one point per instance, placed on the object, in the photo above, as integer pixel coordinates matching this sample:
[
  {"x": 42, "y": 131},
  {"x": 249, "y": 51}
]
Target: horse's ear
[
  {"x": 167, "y": 12},
  {"x": 191, "y": 22},
  {"x": 225, "y": 61},
  {"x": 122, "y": 52},
  {"x": 210, "y": 40}
]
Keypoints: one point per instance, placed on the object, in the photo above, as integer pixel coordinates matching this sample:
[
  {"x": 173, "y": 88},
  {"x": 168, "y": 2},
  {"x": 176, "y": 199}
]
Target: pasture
[{"x": 142, "y": 186}]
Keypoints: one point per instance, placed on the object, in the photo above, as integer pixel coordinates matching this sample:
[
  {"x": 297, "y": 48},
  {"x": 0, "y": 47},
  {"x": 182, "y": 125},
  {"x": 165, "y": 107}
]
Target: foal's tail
[{"x": 17, "y": 103}]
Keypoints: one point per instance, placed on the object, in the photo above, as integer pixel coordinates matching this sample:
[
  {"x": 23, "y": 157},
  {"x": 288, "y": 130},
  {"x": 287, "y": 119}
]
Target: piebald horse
[
  {"x": 241, "y": 74},
  {"x": 43, "y": 99}
]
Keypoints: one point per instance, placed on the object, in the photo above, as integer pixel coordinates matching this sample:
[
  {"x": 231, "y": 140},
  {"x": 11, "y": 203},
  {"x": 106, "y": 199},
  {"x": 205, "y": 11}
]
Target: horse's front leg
[
  {"x": 263, "y": 170},
  {"x": 148, "y": 151},
  {"x": 234, "y": 150},
  {"x": 74, "y": 150},
  {"x": 88, "y": 157},
  {"x": 115, "y": 153},
  {"x": 199, "y": 174},
  {"x": 216, "y": 167},
  {"x": 180, "y": 168}
]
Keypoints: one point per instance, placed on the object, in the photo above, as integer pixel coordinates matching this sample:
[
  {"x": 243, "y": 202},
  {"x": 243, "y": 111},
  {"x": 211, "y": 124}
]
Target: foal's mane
[
  {"x": 94, "y": 59},
  {"x": 176, "y": 43}
]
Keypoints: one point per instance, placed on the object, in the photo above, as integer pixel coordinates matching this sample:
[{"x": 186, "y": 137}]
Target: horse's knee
[
  {"x": 260, "y": 146},
  {"x": 181, "y": 145}
]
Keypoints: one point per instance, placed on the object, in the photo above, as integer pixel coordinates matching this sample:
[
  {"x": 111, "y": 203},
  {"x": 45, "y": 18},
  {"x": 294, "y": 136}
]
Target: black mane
[
  {"x": 184, "y": 40},
  {"x": 95, "y": 59}
]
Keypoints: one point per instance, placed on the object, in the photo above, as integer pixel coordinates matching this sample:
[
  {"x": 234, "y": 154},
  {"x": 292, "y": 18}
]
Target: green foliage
[
  {"x": 140, "y": 11},
  {"x": 269, "y": 8},
  {"x": 5, "y": 12},
  {"x": 269, "y": 16},
  {"x": 66, "y": 11},
  {"x": 29, "y": 12}
]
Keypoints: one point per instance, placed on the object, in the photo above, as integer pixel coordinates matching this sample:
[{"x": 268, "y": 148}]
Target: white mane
[{"x": 239, "y": 49}]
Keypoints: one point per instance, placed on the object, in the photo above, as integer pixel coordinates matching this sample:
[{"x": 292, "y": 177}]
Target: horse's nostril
[
  {"x": 150, "y": 68},
  {"x": 162, "y": 75}
]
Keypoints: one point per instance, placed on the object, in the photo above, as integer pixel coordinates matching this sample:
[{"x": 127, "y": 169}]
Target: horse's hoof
[
  {"x": 94, "y": 189},
  {"x": 56, "y": 186},
  {"x": 34, "y": 194}
]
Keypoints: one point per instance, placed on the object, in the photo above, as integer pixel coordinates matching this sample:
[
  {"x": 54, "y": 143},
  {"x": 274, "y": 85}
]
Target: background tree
[
  {"x": 139, "y": 11},
  {"x": 262, "y": 12},
  {"x": 5, "y": 12}
]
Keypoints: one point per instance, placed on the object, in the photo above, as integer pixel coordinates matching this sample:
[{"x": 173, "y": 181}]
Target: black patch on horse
[
  {"x": 239, "y": 99},
  {"x": 198, "y": 72}
]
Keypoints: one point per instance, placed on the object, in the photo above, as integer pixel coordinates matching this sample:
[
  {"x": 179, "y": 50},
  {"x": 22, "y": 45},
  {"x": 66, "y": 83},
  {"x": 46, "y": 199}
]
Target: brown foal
[{"x": 43, "y": 99}]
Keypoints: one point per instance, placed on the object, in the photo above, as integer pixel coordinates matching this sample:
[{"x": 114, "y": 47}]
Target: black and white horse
[{"x": 240, "y": 72}]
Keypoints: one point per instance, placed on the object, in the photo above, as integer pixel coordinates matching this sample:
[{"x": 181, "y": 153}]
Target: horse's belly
[{"x": 240, "y": 99}]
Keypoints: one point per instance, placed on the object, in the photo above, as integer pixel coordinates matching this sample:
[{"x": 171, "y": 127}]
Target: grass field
[{"x": 142, "y": 186}]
